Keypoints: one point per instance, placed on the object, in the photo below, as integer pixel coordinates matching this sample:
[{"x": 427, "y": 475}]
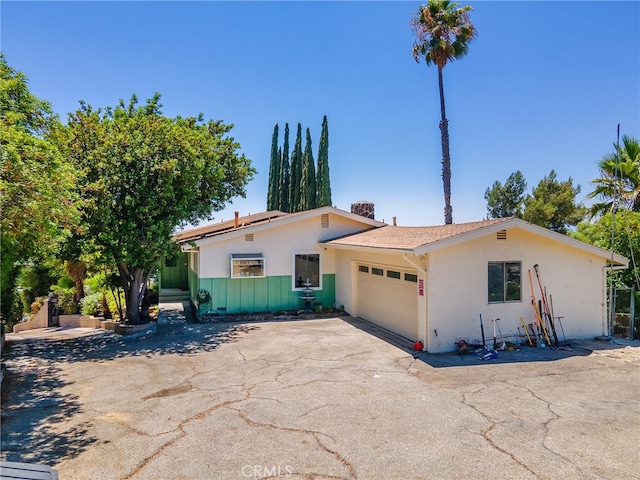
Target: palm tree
[
  {"x": 443, "y": 32},
  {"x": 620, "y": 178}
]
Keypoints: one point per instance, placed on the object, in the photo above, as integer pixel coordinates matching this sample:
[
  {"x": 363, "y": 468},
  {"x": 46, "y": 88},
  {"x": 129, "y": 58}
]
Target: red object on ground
[{"x": 418, "y": 345}]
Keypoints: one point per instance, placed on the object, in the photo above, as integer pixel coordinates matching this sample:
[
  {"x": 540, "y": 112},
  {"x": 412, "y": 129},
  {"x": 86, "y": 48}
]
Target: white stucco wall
[
  {"x": 277, "y": 243},
  {"x": 457, "y": 288}
]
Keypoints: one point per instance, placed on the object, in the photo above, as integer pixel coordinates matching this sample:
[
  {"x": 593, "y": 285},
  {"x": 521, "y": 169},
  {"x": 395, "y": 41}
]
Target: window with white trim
[
  {"x": 306, "y": 270},
  {"x": 247, "y": 265}
]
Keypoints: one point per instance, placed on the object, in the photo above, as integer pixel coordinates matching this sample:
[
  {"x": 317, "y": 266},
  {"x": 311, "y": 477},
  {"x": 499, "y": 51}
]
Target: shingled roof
[{"x": 409, "y": 238}]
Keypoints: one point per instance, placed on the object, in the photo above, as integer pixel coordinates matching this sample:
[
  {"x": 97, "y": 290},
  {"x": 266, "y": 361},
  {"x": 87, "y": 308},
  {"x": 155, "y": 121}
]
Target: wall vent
[
  {"x": 324, "y": 220},
  {"x": 248, "y": 237},
  {"x": 501, "y": 235}
]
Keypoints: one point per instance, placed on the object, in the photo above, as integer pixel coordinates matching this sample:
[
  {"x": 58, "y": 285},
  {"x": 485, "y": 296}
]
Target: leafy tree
[
  {"x": 296, "y": 173},
  {"x": 626, "y": 229},
  {"x": 272, "y": 192},
  {"x": 443, "y": 32},
  {"x": 142, "y": 176},
  {"x": 323, "y": 183},
  {"x": 308, "y": 181},
  {"x": 506, "y": 200},
  {"x": 619, "y": 175},
  {"x": 552, "y": 204},
  {"x": 285, "y": 174},
  {"x": 37, "y": 198}
]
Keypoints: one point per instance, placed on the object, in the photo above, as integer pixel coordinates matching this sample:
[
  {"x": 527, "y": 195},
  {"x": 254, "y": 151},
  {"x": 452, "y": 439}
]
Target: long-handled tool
[
  {"x": 484, "y": 344},
  {"x": 557, "y": 318},
  {"x": 547, "y": 310},
  {"x": 524, "y": 325},
  {"x": 536, "y": 313}
]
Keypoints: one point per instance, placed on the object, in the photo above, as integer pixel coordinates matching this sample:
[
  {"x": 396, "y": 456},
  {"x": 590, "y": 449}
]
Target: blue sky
[{"x": 543, "y": 86}]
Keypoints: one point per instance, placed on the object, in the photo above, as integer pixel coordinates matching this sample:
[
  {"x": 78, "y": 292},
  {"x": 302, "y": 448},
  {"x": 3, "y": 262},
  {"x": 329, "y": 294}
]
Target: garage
[{"x": 387, "y": 296}]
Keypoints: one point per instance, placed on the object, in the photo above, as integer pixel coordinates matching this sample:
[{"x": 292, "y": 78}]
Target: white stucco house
[{"x": 423, "y": 283}]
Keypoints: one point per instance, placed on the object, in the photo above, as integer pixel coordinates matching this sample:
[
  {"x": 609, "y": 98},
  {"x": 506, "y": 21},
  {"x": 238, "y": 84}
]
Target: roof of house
[
  {"x": 409, "y": 238},
  {"x": 265, "y": 220},
  {"x": 422, "y": 240},
  {"x": 222, "y": 227}
]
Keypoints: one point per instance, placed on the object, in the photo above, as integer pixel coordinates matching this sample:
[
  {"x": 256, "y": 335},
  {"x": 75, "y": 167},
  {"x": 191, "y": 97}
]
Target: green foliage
[
  {"x": 443, "y": 32},
  {"x": 92, "y": 304},
  {"x": 619, "y": 177},
  {"x": 308, "y": 180},
  {"x": 37, "y": 183},
  {"x": 35, "y": 281},
  {"x": 323, "y": 183},
  {"x": 274, "y": 173},
  {"x": 552, "y": 204},
  {"x": 626, "y": 241},
  {"x": 296, "y": 173},
  {"x": 285, "y": 173},
  {"x": 142, "y": 176},
  {"x": 508, "y": 200}
]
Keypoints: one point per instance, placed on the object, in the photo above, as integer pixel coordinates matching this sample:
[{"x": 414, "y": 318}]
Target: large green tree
[
  {"x": 626, "y": 241},
  {"x": 443, "y": 33},
  {"x": 323, "y": 183},
  {"x": 274, "y": 173},
  {"x": 285, "y": 173},
  {"x": 552, "y": 204},
  {"x": 308, "y": 179},
  {"x": 37, "y": 199},
  {"x": 619, "y": 177},
  {"x": 506, "y": 200},
  {"x": 296, "y": 173},
  {"x": 143, "y": 175}
]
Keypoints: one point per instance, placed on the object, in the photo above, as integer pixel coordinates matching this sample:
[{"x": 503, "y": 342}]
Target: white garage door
[{"x": 387, "y": 296}]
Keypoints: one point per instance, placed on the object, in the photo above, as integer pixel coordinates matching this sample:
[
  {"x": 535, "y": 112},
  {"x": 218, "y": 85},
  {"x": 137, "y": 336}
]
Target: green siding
[{"x": 263, "y": 294}]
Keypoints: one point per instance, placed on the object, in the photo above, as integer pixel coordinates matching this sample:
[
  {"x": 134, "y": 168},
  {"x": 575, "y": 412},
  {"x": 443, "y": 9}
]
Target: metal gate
[{"x": 626, "y": 305}]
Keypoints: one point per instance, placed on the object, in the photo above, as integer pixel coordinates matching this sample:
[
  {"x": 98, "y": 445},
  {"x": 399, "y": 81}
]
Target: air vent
[
  {"x": 324, "y": 220},
  {"x": 501, "y": 235},
  {"x": 248, "y": 237}
]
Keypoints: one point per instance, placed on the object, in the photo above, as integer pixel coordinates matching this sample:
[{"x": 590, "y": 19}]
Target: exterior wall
[
  {"x": 347, "y": 273},
  {"x": 457, "y": 286},
  {"x": 277, "y": 244}
]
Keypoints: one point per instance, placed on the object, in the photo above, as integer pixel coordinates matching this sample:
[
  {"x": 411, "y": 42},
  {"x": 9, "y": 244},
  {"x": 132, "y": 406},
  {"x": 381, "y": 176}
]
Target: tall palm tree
[
  {"x": 619, "y": 178},
  {"x": 443, "y": 32}
]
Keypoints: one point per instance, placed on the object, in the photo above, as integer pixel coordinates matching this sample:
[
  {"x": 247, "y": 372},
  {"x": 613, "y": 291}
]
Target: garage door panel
[{"x": 387, "y": 301}]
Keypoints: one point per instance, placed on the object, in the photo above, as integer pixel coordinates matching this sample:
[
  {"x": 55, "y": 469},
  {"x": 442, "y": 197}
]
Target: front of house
[{"x": 423, "y": 283}]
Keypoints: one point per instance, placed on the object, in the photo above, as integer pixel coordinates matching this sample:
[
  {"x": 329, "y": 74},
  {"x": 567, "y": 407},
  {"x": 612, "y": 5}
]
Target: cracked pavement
[{"x": 328, "y": 398}]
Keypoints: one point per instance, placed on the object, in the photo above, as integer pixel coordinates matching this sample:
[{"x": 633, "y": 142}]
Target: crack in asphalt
[
  {"x": 486, "y": 434},
  {"x": 313, "y": 433}
]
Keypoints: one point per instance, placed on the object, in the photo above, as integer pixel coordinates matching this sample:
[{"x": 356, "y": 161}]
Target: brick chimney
[{"x": 363, "y": 208}]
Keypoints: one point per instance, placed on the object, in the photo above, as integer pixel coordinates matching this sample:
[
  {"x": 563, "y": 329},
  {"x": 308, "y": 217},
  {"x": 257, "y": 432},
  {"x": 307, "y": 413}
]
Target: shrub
[{"x": 92, "y": 304}]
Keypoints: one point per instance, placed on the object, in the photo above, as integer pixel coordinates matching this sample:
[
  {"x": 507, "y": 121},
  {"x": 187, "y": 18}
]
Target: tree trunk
[
  {"x": 134, "y": 283},
  {"x": 446, "y": 159}
]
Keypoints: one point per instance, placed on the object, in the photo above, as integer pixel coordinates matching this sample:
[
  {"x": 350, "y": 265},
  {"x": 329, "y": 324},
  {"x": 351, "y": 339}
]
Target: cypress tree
[
  {"x": 285, "y": 173},
  {"x": 308, "y": 182},
  {"x": 323, "y": 181},
  {"x": 296, "y": 173},
  {"x": 272, "y": 202}
]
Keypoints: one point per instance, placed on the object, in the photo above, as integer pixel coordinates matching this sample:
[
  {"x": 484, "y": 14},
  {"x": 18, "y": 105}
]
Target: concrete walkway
[{"x": 328, "y": 398}]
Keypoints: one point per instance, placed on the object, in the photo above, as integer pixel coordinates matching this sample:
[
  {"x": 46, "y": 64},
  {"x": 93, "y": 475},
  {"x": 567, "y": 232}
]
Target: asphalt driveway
[{"x": 330, "y": 398}]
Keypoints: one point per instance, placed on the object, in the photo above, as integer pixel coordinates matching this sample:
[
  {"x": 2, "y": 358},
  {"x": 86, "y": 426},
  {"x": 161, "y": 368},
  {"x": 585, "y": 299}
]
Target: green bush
[{"x": 92, "y": 304}]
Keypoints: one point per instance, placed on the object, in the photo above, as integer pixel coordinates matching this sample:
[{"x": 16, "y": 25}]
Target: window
[
  {"x": 247, "y": 265},
  {"x": 324, "y": 220},
  {"x": 392, "y": 274},
  {"x": 363, "y": 268},
  {"x": 504, "y": 282},
  {"x": 377, "y": 271},
  {"x": 410, "y": 277},
  {"x": 307, "y": 270}
]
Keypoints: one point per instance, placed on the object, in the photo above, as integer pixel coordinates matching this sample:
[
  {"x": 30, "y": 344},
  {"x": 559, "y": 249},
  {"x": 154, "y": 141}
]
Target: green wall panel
[{"x": 263, "y": 294}]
